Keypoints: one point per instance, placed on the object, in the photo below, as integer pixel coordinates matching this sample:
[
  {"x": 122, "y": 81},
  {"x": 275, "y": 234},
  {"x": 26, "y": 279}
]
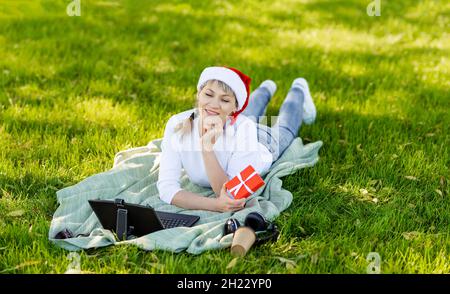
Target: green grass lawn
[{"x": 76, "y": 90}]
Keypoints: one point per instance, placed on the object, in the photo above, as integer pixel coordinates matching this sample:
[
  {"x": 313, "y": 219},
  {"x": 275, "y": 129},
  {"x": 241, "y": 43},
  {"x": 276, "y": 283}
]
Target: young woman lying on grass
[{"x": 217, "y": 139}]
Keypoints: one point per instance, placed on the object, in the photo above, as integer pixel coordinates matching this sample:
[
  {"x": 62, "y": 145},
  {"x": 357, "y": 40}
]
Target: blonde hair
[{"x": 185, "y": 126}]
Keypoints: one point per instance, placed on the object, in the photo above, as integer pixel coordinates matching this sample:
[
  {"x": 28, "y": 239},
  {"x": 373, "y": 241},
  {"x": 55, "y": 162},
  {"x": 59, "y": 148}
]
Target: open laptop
[{"x": 143, "y": 219}]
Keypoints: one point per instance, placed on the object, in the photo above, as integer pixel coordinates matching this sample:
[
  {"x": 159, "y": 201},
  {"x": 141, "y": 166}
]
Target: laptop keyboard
[{"x": 172, "y": 222}]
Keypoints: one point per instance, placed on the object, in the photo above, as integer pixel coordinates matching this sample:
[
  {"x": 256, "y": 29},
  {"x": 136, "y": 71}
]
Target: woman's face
[{"x": 212, "y": 100}]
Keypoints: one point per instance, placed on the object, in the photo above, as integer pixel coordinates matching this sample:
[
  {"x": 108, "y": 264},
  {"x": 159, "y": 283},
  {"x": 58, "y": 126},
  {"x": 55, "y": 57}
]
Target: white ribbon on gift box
[{"x": 242, "y": 183}]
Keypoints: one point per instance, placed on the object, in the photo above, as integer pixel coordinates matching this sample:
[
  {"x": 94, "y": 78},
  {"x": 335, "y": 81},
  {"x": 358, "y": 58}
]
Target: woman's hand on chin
[
  {"x": 212, "y": 129},
  {"x": 225, "y": 203}
]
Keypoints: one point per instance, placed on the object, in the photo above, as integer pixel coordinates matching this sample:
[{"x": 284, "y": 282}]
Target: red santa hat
[{"x": 235, "y": 79}]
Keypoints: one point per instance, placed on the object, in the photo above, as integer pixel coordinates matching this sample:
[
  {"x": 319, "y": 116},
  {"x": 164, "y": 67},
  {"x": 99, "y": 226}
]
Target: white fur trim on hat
[{"x": 229, "y": 77}]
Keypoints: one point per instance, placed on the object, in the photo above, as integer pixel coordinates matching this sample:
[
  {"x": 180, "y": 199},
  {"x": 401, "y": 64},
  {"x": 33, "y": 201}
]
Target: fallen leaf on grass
[
  {"x": 16, "y": 213},
  {"x": 23, "y": 264},
  {"x": 439, "y": 192},
  {"x": 232, "y": 263},
  {"x": 290, "y": 264},
  {"x": 410, "y": 235},
  {"x": 412, "y": 178}
]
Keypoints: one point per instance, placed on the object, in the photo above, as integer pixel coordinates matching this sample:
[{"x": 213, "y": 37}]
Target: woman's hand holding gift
[{"x": 225, "y": 203}]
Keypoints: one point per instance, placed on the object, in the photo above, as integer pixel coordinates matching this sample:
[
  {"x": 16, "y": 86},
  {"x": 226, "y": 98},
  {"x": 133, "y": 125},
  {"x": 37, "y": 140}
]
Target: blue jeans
[{"x": 278, "y": 137}]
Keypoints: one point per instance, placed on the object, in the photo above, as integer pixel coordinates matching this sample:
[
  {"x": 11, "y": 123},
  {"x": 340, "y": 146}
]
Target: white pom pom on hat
[{"x": 235, "y": 79}]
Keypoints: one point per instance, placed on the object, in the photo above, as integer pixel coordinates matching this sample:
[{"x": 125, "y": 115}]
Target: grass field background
[{"x": 76, "y": 90}]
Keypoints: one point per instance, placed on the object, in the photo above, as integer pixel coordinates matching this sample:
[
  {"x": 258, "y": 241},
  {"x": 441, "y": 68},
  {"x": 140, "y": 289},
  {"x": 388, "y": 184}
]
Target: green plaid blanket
[{"x": 133, "y": 178}]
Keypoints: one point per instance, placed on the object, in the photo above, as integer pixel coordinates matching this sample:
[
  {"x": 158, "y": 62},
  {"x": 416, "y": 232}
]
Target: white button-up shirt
[{"x": 235, "y": 149}]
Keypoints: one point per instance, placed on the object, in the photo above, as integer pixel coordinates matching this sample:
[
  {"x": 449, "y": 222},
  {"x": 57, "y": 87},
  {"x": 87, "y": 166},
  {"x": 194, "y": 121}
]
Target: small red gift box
[{"x": 245, "y": 183}]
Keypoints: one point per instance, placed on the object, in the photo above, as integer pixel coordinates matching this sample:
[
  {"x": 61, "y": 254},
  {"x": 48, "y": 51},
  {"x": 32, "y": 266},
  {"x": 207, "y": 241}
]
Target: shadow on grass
[
  {"x": 361, "y": 189},
  {"x": 180, "y": 35},
  {"x": 70, "y": 128},
  {"x": 31, "y": 184}
]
